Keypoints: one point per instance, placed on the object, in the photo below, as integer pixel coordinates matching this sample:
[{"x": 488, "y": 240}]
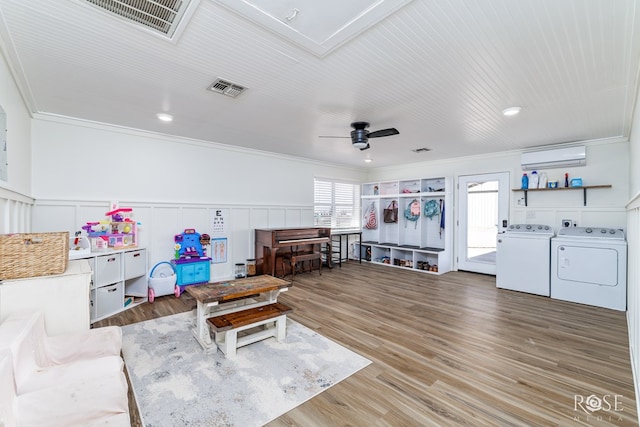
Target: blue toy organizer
[{"x": 191, "y": 265}]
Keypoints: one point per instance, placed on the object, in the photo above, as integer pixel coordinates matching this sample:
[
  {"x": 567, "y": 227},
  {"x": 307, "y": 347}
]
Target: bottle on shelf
[
  {"x": 543, "y": 180},
  {"x": 566, "y": 179},
  {"x": 533, "y": 181},
  {"x": 525, "y": 181}
]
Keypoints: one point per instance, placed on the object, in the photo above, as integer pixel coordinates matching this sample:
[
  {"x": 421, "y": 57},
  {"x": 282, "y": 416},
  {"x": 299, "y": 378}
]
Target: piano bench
[
  {"x": 226, "y": 326},
  {"x": 302, "y": 257}
]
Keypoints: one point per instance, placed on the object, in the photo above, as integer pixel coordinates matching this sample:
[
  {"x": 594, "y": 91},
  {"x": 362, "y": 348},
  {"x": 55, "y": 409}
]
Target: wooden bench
[
  {"x": 305, "y": 256},
  {"x": 226, "y": 326}
]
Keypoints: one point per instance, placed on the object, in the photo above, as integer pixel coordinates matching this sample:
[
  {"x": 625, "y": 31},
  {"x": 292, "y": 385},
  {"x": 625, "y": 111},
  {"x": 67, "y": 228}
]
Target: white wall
[
  {"x": 73, "y": 159},
  {"x": 633, "y": 239},
  {"x": 175, "y": 183},
  {"x": 607, "y": 163},
  {"x": 172, "y": 184},
  {"x": 15, "y": 200}
]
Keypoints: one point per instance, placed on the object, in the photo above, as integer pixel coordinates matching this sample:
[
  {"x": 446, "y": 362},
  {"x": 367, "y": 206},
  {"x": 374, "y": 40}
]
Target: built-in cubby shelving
[
  {"x": 583, "y": 188},
  {"x": 423, "y": 244}
]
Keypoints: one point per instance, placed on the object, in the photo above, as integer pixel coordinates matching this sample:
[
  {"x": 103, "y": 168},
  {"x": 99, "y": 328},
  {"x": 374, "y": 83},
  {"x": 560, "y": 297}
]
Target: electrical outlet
[{"x": 567, "y": 223}]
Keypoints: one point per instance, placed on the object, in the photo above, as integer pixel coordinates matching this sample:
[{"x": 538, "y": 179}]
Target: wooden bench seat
[
  {"x": 305, "y": 256},
  {"x": 226, "y": 326}
]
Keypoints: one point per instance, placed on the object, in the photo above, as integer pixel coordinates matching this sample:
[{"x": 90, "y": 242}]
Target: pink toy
[{"x": 116, "y": 214}]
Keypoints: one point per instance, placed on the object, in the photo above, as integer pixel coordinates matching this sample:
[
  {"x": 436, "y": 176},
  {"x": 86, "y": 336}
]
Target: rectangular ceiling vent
[
  {"x": 226, "y": 88},
  {"x": 162, "y": 17}
]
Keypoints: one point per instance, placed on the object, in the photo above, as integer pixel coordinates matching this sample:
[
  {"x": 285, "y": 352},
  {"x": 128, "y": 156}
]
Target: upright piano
[{"x": 273, "y": 242}]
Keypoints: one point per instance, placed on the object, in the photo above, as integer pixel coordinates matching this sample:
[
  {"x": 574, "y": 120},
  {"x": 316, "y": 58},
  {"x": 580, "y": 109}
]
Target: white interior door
[{"x": 483, "y": 212}]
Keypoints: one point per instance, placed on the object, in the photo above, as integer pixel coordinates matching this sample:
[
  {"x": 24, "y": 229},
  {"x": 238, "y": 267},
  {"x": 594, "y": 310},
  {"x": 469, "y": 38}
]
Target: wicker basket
[{"x": 33, "y": 254}]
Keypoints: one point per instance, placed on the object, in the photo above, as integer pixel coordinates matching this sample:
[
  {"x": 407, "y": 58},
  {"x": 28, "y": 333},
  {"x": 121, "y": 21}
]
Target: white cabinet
[
  {"x": 119, "y": 281},
  {"x": 420, "y": 240},
  {"x": 63, "y": 298}
]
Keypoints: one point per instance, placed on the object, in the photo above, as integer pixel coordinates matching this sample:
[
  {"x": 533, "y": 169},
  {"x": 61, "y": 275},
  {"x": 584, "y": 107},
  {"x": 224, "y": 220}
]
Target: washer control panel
[
  {"x": 530, "y": 228},
  {"x": 592, "y": 232}
]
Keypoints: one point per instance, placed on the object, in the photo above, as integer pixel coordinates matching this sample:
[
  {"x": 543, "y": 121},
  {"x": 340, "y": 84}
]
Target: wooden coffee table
[{"x": 230, "y": 296}]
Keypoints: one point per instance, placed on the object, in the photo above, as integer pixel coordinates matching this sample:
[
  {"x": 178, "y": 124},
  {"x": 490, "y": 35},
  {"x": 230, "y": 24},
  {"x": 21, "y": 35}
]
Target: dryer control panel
[{"x": 592, "y": 232}]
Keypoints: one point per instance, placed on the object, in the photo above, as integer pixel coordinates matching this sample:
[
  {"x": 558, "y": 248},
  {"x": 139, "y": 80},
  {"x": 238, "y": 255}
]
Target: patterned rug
[{"x": 176, "y": 383}]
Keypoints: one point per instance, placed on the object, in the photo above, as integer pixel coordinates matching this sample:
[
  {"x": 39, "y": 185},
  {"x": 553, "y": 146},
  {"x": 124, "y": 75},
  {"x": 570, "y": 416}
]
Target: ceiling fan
[{"x": 360, "y": 135}]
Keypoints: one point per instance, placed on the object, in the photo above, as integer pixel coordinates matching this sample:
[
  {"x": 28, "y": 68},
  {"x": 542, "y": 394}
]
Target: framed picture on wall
[{"x": 219, "y": 249}]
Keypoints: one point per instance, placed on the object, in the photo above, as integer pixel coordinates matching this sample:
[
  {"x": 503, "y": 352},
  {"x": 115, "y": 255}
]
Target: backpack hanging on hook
[
  {"x": 370, "y": 219},
  {"x": 431, "y": 208},
  {"x": 412, "y": 213}
]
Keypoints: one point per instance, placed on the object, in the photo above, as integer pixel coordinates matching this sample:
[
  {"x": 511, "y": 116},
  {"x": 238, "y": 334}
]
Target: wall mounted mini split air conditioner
[{"x": 555, "y": 158}]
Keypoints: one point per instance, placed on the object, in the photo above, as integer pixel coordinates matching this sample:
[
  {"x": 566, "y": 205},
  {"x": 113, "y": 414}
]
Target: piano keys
[{"x": 275, "y": 242}]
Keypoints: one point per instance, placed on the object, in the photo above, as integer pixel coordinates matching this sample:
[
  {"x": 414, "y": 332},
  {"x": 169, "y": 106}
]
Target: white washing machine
[
  {"x": 523, "y": 258},
  {"x": 589, "y": 266}
]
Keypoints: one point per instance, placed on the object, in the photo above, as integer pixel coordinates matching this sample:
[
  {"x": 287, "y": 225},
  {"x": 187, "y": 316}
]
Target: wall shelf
[{"x": 583, "y": 188}]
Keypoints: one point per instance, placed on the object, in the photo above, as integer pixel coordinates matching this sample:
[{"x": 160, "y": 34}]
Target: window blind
[{"x": 336, "y": 204}]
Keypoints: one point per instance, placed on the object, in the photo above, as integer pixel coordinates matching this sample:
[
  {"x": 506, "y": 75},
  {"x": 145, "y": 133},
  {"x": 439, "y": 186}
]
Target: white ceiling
[{"x": 438, "y": 71}]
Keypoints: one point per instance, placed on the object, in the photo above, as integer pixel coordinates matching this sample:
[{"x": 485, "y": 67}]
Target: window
[{"x": 336, "y": 204}]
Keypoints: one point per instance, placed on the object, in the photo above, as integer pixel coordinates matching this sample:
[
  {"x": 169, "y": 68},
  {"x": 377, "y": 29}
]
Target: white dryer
[
  {"x": 589, "y": 266},
  {"x": 523, "y": 258}
]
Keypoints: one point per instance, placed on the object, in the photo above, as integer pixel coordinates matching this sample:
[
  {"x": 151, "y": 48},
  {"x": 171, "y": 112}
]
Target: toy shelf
[{"x": 118, "y": 280}]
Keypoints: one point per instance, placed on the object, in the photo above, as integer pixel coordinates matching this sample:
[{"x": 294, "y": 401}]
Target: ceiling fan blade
[
  {"x": 383, "y": 132},
  {"x": 329, "y": 136},
  {"x": 365, "y": 148}
]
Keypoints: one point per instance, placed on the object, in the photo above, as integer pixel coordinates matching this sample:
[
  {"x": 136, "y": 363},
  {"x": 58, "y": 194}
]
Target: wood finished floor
[{"x": 449, "y": 350}]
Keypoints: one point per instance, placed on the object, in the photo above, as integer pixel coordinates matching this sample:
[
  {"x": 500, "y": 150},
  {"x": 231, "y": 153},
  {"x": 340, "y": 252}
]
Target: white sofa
[{"x": 66, "y": 380}]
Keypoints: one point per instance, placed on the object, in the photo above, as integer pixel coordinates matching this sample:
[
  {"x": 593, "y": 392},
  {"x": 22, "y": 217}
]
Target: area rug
[{"x": 177, "y": 383}]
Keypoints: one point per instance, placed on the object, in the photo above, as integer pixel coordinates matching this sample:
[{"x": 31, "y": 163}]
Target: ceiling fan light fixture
[
  {"x": 359, "y": 137},
  {"x": 511, "y": 111},
  {"x": 361, "y": 144}
]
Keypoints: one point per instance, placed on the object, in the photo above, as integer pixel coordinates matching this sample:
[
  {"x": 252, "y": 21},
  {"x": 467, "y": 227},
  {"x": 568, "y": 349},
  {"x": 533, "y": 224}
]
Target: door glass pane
[{"x": 482, "y": 221}]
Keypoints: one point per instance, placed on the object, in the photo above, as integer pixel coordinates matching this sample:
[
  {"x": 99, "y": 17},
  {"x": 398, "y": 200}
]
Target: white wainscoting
[
  {"x": 15, "y": 212},
  {"x": 161, "y": 221},
  {"x": 633, "y": 289}
]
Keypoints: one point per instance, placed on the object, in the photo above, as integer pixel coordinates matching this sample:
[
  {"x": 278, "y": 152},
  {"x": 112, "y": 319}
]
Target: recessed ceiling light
[
  {"x": 164, "y": 117},
  {"x": 368, "y": 160},
  {"x": 511, "y": 111}
]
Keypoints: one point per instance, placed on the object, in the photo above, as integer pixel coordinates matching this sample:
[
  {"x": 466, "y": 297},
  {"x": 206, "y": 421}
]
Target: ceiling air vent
[
  {"x": 226, "y": 88},
  {"x": 160, "y": 16}
]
